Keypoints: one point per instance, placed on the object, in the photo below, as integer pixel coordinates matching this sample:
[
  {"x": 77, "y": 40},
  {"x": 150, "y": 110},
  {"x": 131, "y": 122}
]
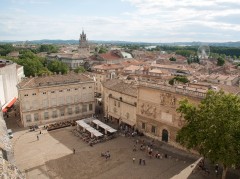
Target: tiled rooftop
[
  {"x": 54, "y": 80},
  {"x": 121, "y": 87}
]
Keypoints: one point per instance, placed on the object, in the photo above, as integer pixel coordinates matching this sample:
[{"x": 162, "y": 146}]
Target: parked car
[{"x": 10, "y": 133}]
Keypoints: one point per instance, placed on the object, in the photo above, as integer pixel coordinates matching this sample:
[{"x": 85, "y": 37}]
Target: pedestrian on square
[
  {"x": 74, "y": 151},
  {"x": 40, "y": 132},
  {"x": 133, "y": 159},
  {"x": 140, "y": 161},
  {"x": 144, "y": 162},
  {"x": 216, "y": 169},
  {"x": 134, "y": 148},
  {"x": 37, "y": 137}
]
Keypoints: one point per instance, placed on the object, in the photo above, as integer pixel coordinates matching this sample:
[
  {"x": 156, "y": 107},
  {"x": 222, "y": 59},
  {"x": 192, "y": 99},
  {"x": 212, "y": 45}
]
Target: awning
[
  {"x": 12, "y": 102},
  {"x": 4, "y": 110}
]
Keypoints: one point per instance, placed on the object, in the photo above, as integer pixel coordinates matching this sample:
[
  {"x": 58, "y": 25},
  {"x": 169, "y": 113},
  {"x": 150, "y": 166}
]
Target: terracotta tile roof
[
  {"x": 108, "y": 66},
  {"x": 175, "y": 67},
  {"x": 121, "y": 87},
  {"x": 109, "y": 56},
  {"x": 53, "y": 80},
  {"x": 133, "y": 62},
  {"x": 229, "y": 89},
  {"x": 132, "y": 68}
]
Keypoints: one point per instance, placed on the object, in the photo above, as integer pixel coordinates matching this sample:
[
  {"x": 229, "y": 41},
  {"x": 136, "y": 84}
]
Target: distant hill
[{"x": 47, "y": 41}]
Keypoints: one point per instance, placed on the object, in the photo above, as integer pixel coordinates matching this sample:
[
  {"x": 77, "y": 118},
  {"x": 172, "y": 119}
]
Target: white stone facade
[
  {"x": 8, "y": 83},
  {"x": 56, "y": 102}
]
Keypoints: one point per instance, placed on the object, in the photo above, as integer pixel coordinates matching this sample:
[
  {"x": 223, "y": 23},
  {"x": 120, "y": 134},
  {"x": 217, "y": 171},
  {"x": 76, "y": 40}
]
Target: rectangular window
[
  {"x": 45, "y": 115},
  {"x": 28, "y": 118},
  {"x": 60, "y": 90},
  {"x": 54, "y": 101},
  {"x": 143, "y": 125},
  {"x": 26, "y": 95},
  {"x": 153, "y": 130},
  {"x": 76, "y": 88},
  {"x": 52, "y": 91},
  {"x": 90, "y": 107},
  {"x": 54, "y": 114},
  {"x": 62, "y": 112},
  {"x": 118, "y": 104},
  {"x": 44, "y": 93},
  {"x": 69, "y": 99},
  {"x": 34, "y": 94},
  {"x": 84, "y": 87},
  {"x": 69, "y": 111},
  {"x": 36, "y": 117},
  {"x": 77, "y": 109},
  {"x": 45, "y": 103},
  {"x": 68, "y": 89},
  {"x": 84, "y": 108}
]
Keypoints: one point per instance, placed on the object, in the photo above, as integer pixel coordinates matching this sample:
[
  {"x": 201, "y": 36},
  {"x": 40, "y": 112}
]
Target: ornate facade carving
[{"x": 148, "y": 110}]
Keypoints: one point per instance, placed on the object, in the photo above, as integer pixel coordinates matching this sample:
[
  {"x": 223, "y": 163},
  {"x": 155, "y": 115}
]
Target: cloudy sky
[{"x": 130, "y": 20}]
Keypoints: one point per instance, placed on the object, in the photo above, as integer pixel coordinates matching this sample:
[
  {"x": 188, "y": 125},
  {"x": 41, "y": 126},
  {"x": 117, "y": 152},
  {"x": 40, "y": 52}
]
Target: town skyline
[{"x": 121, "y": 20}]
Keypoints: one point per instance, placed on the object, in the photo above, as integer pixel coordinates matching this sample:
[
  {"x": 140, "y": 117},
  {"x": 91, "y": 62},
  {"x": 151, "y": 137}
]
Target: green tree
[
  {"x": 32, "y": 64},
  {"x": 79, "y": 69},
  {"x": 102, "y": 50},
  {"x": 182, "y": 79},
  {"x": 48, "y": 48},
  {"x": 220, "y": 61},
  {"x": 213, "y": 128},
  {"x": 172, "y": 59},
  {"x": 57, "y": 66}
]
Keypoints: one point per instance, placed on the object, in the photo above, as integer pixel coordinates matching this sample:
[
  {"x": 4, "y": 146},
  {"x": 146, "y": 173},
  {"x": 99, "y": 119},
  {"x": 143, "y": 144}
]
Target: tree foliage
[
  {"x": 48, "y": 48},
  {"x": 173, "y": 59},
  {"x": 57, "y": 66},
  {"x": 213, "y": 128},
  {"x": 182, "y": 79},
  {"x": 220, "y": 61},
  {"x": 5, "y": 49},
  {"x": 193, "y": 59},
  {"x": 79, "y": 69}
]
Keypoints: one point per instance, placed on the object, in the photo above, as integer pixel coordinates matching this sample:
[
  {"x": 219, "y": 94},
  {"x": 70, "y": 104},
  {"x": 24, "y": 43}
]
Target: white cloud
[{"x": 151, "y": 20}]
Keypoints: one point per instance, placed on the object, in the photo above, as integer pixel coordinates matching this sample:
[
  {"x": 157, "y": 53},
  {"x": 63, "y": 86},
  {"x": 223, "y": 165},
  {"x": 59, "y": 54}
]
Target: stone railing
[{"x": 184, "y": 90}]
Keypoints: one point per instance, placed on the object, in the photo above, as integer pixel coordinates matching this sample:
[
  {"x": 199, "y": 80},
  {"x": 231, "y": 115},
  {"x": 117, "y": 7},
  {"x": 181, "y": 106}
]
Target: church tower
[{"x": 83, "y": 43}]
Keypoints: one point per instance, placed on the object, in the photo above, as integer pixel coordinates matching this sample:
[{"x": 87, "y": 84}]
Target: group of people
[{"x": 107, "y": 155}]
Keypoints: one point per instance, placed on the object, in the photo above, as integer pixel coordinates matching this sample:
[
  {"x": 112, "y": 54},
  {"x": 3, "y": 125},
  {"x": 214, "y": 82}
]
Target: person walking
[
  {"x": 144, "y": 163},
  {"x": 140, "y": 161},
  {"x": 37, "y": 137},
  {"x": 133, "y": 159},
  {"x": 74, "y": 151}
]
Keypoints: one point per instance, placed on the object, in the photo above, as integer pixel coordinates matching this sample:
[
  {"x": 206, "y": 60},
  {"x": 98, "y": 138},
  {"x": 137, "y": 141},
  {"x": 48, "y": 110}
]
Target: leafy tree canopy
[
  {"x": 213, "y": 128},
  {"x": 57, "y": 66},
  {"x": 182, "y": 79},
  {"x": 220, "y": 61},
  {"x": 172, "y": 59},
  {"x": 79, "y": 69},
  {"x": 48, "y": 48}
]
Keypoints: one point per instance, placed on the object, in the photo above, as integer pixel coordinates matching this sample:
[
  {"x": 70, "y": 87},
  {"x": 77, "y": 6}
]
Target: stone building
[
  {"x": 120, "y": 101},
  {"x": 55, "y": 98},
  {"x": 156, "y": 109},
  {"x": 103, "y": 73},
  {"x": 10, "y": 75}
]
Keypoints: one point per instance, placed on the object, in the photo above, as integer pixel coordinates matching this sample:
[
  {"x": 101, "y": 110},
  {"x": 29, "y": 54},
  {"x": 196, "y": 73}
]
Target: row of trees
[{"x": 7, "y": 48}]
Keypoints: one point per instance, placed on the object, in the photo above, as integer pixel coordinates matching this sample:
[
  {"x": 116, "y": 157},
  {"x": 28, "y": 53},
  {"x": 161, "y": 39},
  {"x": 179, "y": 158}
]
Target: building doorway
[{"x": 164, "y": 135}]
